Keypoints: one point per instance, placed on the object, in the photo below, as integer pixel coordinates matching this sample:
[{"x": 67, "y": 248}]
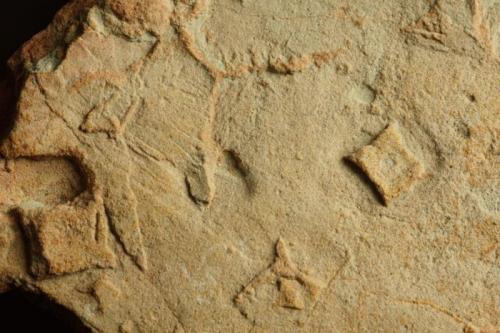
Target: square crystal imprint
[{"x": 389, "y": 164}]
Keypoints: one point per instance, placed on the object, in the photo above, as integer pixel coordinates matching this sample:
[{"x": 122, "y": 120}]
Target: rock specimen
[{"x": 216, "y": 166}]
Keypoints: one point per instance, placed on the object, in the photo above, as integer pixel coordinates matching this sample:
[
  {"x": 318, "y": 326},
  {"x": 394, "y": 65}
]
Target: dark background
[
  {"x": 22, "y": 312},
  {"x": 20, "y": 20}
]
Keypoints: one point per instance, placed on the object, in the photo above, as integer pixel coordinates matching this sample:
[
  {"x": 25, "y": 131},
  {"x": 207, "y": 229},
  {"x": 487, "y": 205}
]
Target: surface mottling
[{"x": 182, "y": 166}]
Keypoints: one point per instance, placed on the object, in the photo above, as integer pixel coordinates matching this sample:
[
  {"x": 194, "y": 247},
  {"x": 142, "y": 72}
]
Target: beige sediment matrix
[{"x": 258, "y": 166}]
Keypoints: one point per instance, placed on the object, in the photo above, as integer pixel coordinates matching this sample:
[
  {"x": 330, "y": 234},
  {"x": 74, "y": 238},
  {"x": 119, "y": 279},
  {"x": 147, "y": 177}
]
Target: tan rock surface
[{"x": 259, "y": 166}]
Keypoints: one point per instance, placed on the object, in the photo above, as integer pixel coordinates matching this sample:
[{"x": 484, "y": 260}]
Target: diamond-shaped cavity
[
  {"x": 389, "y": 164},
  {"x": 66, "y": 238}
]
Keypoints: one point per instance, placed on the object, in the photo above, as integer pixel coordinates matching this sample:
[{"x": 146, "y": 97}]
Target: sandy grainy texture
[{"x": 259, "y": 166}]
